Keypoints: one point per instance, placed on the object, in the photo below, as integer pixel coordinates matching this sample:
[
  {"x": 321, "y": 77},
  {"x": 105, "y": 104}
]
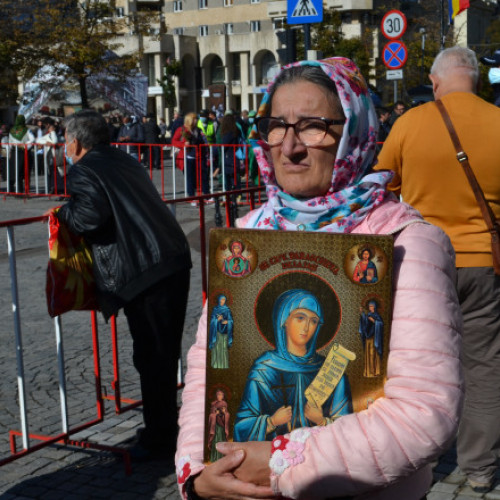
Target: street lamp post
[{"x": 422, "y": 32}]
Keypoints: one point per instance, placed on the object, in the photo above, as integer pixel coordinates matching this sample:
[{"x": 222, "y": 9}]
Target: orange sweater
[{"x": 429, "y": 177}]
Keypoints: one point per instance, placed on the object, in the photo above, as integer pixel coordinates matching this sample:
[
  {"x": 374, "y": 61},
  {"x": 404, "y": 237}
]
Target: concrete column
[{"x": 245, "y": 80}]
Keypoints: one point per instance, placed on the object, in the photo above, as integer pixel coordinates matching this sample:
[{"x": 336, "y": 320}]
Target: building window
[
  {"x": 120, "y": 12},
  {"x": 254, "y": 26},
  {"x": 178, "y": 31},
  {"x": 278, "y": 23},
  {"x": 236, "y": 66},
  {"x": 151, "y": 70},
  {"x": 202, "y": 4},
  {"x": 228, "y": 3},
  {"x": 203, "y": 30},
  {"x": 254, "y": 1},
  {"x": 217, "y": 70},
  {"x": 177, "y": 6},
  {"x": 228, "y": 28}
]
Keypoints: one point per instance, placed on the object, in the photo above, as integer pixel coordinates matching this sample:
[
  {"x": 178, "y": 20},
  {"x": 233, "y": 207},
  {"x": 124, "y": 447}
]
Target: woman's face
[
  {"x": 300, "y": 326},
  {"x": 304, "y": 172},
  {"x": 222, "y": 301}
]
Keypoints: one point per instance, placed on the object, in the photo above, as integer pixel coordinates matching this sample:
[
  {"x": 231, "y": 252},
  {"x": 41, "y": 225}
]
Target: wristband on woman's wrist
[{"x": 189, "y": 488}]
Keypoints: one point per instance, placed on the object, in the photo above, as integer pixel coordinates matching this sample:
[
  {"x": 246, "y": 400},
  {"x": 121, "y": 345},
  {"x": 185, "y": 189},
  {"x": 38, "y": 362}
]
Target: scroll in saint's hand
[{"x": 329, "y": 375}]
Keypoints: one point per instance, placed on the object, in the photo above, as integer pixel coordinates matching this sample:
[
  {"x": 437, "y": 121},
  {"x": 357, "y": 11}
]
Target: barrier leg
[{"x": 17, "y": 331}]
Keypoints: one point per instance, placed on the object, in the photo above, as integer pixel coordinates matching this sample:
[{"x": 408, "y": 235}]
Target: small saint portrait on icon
[
  {"x": 218, "y": 423},
  {"x": 220, "y": 333},
  {"x": 371, "y": 331},
  {"x": 236, "y": 258},
  {"x": 365, "y": 264}
]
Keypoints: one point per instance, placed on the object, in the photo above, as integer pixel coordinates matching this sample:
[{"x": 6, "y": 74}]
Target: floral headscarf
[{"x": 355, "y": 190}]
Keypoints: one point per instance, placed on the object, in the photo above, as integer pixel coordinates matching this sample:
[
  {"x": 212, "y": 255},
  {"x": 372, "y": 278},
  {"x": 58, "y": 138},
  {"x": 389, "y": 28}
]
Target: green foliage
[
  {"x": 77, "y": 35},
  {"x": 172, "y": 68},
  {"x": 328, "y": 38}
]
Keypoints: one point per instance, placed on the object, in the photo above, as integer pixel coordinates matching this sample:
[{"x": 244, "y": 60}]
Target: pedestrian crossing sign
[{"x": 304, "y": 11}]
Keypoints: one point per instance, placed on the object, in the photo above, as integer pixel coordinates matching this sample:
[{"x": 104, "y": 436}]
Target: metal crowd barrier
[
  {"x": 64, "y": 436},
  {"x": 35, "y": 170}
]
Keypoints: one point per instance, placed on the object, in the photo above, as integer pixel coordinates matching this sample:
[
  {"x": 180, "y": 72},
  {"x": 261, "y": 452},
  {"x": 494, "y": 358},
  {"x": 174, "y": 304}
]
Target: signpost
[
  {"x": 394, "y": 74},
  {"x": 394, "y": 53},
  {"x": 393, "y": 24},
  {"x": 304, "y": 11}
]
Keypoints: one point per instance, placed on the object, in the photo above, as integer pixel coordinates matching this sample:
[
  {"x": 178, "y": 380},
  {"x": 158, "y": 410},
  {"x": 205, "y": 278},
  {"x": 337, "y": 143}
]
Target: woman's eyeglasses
[{"x": 309, "y": 131}]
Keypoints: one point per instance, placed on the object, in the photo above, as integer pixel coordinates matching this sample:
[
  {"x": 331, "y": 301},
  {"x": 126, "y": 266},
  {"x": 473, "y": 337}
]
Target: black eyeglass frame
[{"x": 328, "y": 121}]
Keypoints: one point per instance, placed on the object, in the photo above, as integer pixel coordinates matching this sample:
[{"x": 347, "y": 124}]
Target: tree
[
  {"x": 328, "y": 38},
  {"x": 75, "y": 39},
  {"x": 8, "y": 82},
  {"x": 172, "y": 68}
]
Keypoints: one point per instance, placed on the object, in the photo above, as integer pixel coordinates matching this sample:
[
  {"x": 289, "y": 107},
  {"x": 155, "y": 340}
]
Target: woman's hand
[
  {"x": 314, "y": 414},
  {"x": 218, "y": 480},
  {"x": 282, "y": 416},
  {"x": 255, "y": 467}
]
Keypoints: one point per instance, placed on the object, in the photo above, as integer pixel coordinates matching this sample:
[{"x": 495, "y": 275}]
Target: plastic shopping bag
[{"x": 70, "y": 282}]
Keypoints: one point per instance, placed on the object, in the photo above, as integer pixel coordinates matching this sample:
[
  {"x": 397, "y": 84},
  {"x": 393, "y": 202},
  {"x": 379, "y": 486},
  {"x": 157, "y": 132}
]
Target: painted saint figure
[
  {"x": 273, "y": 402},
  {"x": 236, "y": 265},
  {"x": 365, "y": 271},
  {"x": 220, "y": 336},
  {"x": 218, "y": 423},
  {"x": 371, "y": 330}
]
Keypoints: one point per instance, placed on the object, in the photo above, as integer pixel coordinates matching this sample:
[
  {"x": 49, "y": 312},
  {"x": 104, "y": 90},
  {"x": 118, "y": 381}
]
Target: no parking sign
[{"x": 395, "y": 54}]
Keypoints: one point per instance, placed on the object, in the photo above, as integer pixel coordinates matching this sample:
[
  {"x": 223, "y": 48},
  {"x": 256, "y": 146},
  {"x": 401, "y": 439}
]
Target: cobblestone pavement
[{"x": 67, "y": 472}]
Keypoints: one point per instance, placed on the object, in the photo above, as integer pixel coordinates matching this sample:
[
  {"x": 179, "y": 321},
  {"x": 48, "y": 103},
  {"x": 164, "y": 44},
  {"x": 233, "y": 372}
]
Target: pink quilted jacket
[{"x": 382, "y": 452}]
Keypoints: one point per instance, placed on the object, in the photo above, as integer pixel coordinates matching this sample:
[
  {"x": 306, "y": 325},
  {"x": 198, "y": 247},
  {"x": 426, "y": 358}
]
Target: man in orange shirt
[{"x": 429, "y": 177}]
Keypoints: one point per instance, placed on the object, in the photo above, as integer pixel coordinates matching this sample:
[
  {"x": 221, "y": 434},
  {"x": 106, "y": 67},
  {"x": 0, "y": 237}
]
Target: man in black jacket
[
  {"x": 142, "y": 263},
  {"x": 151, "y": 136}
]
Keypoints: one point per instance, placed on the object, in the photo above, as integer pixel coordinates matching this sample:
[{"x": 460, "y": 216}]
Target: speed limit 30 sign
[{"x": 393, "y": 24}]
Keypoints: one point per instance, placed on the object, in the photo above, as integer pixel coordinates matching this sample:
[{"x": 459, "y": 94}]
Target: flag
[{"x": 455, "y": 7}]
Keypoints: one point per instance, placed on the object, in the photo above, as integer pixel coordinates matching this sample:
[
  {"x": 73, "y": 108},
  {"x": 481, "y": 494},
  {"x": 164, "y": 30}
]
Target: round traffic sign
[
  {"x": 394, "y": 54},
  {"x": 393, "y": 24}
]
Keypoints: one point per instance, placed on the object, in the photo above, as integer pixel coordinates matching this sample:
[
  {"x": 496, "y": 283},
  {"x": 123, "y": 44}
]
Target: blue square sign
[{"x": 304, "y": 11}]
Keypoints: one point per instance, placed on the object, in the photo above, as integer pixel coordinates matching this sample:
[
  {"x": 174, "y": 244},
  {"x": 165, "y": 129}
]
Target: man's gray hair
[
  {"x": 88, "y": 127},
  {"x": 456, "y": 58}
]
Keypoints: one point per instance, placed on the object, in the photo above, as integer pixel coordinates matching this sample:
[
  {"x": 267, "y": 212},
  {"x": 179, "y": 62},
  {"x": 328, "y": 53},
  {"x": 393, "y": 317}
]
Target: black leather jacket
[{"x": 135, "y": 239}]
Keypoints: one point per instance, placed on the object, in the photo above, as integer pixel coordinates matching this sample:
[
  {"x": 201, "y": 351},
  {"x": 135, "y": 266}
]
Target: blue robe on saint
[
  {"x": 372, "y": 329},
  {"x": 217, "y": 325},
  {"x": 279, "y": 378},
  {"x": 220, "y": 334}
]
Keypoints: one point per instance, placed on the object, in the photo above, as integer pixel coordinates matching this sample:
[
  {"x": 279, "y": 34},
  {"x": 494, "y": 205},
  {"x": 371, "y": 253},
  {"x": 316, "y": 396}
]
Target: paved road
[{"x": 60, "y": 472}]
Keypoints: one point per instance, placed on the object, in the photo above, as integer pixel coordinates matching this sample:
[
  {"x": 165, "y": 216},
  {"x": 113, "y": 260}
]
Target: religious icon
[
  {"x": 366, "y": 263},
  {"x": 236, "y": 265},
  {"x": 274, "y": 400},
  {"x": 371, "y": 330},
  {"x": 365, "y": 271},
  {"x": 218, "y": 423},
  {"x": 220, "y": 334}
]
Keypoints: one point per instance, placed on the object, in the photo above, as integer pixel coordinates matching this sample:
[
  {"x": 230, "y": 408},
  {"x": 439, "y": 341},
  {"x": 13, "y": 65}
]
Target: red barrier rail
[{"x": 226, "y": 199}]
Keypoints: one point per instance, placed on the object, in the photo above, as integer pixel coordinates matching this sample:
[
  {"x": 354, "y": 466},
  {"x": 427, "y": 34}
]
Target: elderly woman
[{"x": 316, "y": 155}]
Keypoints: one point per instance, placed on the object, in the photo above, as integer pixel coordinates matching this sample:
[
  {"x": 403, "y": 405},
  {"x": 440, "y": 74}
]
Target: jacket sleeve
[
  {"x": 177, "y": 141},
  {"x": 189, "y": 456},
  {"x": 88, "y": 208},
  {"x": 416, "y": 420}
]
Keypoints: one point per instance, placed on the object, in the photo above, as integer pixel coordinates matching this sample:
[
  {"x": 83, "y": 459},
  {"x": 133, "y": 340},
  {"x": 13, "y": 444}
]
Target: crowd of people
[
  {"x": 146, "y": 140},
  {"x": 327, "y": 174}
]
